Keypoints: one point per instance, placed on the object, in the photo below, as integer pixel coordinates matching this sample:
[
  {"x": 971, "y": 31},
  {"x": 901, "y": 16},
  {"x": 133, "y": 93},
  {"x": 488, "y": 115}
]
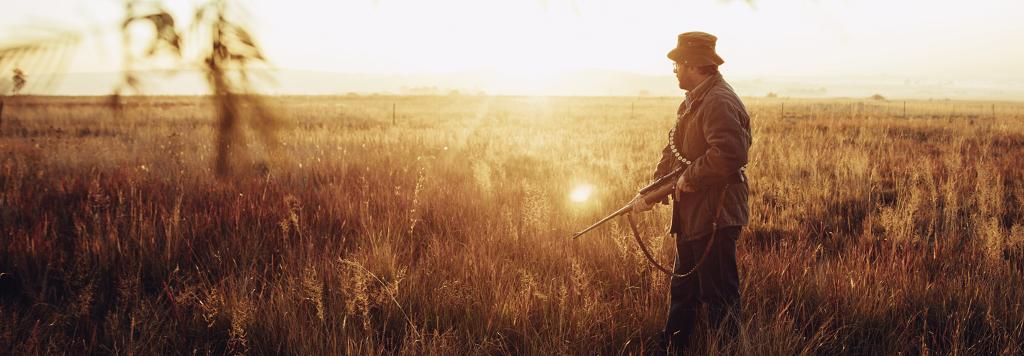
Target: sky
[{"x": 814, "y": 41}]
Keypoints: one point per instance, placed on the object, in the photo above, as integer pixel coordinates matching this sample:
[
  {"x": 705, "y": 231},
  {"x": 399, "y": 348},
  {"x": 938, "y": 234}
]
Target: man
[{"x": 711, "y": 138}]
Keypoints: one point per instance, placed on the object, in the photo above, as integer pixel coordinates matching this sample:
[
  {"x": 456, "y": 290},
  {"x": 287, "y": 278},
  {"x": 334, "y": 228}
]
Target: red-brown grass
[{"x": 449, "y": 231}]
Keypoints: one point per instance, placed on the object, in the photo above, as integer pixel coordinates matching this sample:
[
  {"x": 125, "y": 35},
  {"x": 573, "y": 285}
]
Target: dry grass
[{"x": 448, "y": 232}]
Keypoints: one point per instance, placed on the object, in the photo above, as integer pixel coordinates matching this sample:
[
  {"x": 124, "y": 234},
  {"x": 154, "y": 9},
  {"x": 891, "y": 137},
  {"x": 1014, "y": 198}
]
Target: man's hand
[
  {"x": 640, "y": 205},
  {"x": 682, "y": 186}
]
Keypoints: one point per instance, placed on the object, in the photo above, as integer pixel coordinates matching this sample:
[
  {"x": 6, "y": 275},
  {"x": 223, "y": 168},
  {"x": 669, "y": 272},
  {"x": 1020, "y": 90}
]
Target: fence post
[
  {"x": 782, "y": 111},
  {"x": 904, "y": 109},
  {"x": 393, "y": 106}
]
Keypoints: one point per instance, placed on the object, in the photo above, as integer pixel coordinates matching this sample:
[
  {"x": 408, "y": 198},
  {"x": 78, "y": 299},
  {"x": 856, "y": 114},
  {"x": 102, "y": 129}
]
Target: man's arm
[
  {"x": 668, "y": 160},
  {"x": 666, "y": 164},
  {"x": 728, "y": 141}
]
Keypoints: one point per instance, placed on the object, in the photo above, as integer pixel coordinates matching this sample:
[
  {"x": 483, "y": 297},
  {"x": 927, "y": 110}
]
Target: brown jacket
[{"x": 713, "y": 133}]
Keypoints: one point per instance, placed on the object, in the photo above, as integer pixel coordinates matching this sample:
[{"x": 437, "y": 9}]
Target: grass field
[{"x": 442, "y": 227}]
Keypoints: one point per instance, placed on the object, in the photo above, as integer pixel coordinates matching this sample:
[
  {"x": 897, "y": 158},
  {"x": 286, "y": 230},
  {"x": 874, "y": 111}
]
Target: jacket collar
[{"x": 697, "y": 94}]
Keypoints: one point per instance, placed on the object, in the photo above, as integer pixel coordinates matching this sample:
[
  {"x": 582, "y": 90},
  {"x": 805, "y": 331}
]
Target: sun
[{"x": 581, "y": 193}]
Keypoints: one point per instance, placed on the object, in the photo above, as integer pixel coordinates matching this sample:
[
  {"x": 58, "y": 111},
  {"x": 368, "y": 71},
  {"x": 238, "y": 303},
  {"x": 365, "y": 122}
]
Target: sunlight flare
[{"x": 581, "y": 193}]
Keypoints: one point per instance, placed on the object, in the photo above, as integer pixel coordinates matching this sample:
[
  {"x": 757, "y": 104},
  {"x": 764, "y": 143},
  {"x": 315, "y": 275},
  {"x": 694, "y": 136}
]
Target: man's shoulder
[
  {"x": 721, "y": 91},
  {"x": 722, "y": 97},
  {"x": 722, "y": 94},
  {"x": 722, "y": 100}
]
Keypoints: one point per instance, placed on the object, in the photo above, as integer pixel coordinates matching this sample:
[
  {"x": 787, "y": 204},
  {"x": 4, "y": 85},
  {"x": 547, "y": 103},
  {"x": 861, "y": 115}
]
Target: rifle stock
[{"x": 652, "y": 194}]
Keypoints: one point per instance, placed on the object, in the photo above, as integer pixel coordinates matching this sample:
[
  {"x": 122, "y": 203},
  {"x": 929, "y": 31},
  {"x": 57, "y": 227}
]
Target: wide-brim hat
[{"x": 696, "y": 49}]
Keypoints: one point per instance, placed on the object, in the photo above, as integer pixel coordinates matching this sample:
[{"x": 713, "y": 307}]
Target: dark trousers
[{"x": 716, "y": 283}]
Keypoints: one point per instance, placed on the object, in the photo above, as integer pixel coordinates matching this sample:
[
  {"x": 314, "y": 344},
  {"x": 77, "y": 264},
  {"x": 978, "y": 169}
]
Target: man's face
[{"x": 687, "y": 76}]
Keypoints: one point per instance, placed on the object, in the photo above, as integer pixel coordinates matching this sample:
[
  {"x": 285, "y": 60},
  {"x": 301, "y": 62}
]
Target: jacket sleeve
[
  {"x": 668, "y": 160},
  {"x": 728, "y": 140},
  {"x": 666, "y": 164}
]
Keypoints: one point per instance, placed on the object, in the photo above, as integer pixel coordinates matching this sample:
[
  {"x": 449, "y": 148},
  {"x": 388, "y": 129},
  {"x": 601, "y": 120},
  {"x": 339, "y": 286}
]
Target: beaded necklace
[{"x": 672, "y": 134}]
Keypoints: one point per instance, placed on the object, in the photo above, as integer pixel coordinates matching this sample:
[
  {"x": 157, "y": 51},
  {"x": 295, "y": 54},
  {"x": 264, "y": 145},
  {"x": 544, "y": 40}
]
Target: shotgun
[{"x": 652, "y": 194}]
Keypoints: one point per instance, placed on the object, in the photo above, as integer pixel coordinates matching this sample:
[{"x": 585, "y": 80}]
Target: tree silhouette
[
  {"x": 19, "y": 80},
  {"x": 227, "y": 52}
]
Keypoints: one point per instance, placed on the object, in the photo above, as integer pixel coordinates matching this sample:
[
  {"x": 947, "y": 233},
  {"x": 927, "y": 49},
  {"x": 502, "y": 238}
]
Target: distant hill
[{"x": 591, "y": 82}]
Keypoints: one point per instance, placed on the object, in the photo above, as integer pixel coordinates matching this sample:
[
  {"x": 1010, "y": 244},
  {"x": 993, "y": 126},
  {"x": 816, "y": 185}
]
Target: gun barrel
[{"x": 619, "y": 212}]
